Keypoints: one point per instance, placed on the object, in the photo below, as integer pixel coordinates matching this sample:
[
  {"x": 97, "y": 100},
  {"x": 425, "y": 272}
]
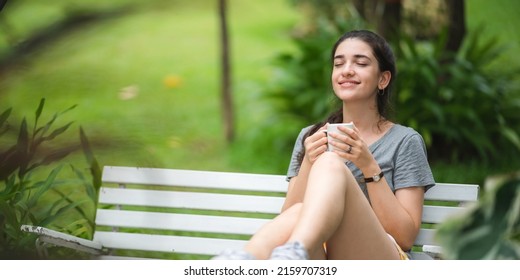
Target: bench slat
[
  {"x": 190, "y": 200},
  {"x": 226, "y": 202},
  {"x": 452, "y": 192},
  {"x": 194, "y": 178},
  {"x": 436, "y": 214},
  {"x": 181, "y": 222},
  {"x": 201, "y": 223},
  {"x": 193, "y": 245},
  {"x": 163, "y": 243},
  {"x": 425, "y": 237},
  {"x": 248, "y": 181}
]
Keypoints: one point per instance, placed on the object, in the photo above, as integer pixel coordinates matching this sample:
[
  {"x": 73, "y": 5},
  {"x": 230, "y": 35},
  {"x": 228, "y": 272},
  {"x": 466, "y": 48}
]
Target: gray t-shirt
[{"x": 401, "y": 154}]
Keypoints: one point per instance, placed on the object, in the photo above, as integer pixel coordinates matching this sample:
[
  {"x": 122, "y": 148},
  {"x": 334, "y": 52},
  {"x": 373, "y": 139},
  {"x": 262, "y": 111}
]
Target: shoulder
[
  {"x": 404, "y": 139},
  {"x": 304, "y": 131},
  {"x": 405, "y": 133},
  {"x": 404, "y": 130}
]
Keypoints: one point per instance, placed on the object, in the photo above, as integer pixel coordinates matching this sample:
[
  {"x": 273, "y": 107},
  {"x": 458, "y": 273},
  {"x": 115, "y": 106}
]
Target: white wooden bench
[{"x": 181, "y": 214}]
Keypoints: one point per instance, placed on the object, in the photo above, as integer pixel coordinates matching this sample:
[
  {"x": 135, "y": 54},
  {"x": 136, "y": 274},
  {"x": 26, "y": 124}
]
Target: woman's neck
[{"x": 369, "y": 122}]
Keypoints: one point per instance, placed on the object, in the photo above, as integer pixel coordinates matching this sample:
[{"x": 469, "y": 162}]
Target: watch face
[{"x": 377, "y": 178}]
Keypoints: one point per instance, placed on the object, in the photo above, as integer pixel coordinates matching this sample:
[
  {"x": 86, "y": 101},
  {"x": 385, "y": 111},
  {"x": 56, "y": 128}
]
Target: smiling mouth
[{"x": 348, "y": 83}]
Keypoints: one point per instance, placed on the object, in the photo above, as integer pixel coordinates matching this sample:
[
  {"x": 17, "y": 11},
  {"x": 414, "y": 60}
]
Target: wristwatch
[{"x": 376, "y": 178}]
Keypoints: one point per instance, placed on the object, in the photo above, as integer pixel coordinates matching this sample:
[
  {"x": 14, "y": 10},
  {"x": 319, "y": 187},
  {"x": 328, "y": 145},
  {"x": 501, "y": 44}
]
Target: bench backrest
[{"x": 200, "y": 213}]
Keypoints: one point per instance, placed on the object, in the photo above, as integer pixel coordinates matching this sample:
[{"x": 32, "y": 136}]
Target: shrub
[
  {"x": 24, "y": 197},
  {"x": 490, "y": 229},
  {"x": 463, "y": 109}
]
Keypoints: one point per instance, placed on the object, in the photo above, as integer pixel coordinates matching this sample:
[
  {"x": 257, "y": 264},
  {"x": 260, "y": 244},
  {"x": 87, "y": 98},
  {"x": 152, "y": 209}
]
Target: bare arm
[{"x": 400, "y": 214}]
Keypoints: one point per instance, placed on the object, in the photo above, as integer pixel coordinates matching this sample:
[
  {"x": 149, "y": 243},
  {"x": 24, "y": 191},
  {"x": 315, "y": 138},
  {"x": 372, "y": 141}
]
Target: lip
[{"x": 348, "y": 83}]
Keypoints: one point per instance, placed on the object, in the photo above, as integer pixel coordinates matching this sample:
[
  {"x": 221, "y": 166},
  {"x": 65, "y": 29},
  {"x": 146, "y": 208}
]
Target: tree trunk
[
  {"x": 390, "y": 23},
  {"x": 226, "y": 94},
  {"x": 384, "y": 15},
  {"x": 456, "y": 25}
]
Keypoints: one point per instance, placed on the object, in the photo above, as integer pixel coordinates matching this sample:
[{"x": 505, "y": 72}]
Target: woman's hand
[
  {"x": 316, "y": 144},
  {"x": 352, "y": 147}
]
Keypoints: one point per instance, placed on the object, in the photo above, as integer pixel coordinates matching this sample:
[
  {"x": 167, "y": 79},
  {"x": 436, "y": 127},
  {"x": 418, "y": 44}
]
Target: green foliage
[
  {"x": 490, "y": 230},
  {"x": 462, "y": 108},
  {"x": 26, "y": 198}
]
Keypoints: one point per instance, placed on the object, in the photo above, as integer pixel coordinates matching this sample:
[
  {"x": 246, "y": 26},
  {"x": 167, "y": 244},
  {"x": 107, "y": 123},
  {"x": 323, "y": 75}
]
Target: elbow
[
  {"x": 407, "y": 240},
  {"x": 406, "y": 244}
]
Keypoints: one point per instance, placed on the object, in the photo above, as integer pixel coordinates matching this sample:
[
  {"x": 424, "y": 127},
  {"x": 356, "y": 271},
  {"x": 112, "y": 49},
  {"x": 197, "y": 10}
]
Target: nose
[{"x": 347, "y": 70}]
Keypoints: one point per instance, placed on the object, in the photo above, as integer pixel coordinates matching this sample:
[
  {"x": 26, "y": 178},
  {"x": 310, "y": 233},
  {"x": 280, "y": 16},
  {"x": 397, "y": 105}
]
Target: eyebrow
[{"x": 340, "y": 56}]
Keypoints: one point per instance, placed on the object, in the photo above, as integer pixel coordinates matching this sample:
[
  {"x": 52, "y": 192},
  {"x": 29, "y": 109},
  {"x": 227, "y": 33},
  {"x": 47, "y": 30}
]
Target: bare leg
[
  {"x": 274, "y": 233},
  {"x": 335, "y": 210}
]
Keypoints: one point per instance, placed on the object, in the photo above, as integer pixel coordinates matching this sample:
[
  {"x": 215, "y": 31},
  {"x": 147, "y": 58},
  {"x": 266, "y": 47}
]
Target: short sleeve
[
  {"x": 412, "y": 168},
  {"x": 294, "y": 165}
]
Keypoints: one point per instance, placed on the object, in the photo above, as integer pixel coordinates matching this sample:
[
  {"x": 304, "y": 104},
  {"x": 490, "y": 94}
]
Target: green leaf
[
  {"x": 39, "y": 112},
  {"x": 54, "y": 156},
  {"x": 58, "y": 131},
  {"x": 70, "y": 201},
  {"x": 95, "y": 169},
  {"x": 22, "y": 148},
  {"x": 89, "y": 188},
  {"x": 44, "y": 186},
  {"x": 60, "y": 212},
  {"x": 4, "y": 116},
  {"x": 9, "y": 162},
  {"x": 42, "y": 130},
  {"x": 511, "y": 135}
]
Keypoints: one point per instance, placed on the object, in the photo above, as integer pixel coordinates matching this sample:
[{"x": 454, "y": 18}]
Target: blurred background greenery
[{"x": 145, "y": 76}]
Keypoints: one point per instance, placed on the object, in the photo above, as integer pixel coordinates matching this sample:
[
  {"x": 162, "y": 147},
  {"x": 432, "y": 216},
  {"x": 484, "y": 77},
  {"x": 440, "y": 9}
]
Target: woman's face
[{"x": 355, "y": 73}]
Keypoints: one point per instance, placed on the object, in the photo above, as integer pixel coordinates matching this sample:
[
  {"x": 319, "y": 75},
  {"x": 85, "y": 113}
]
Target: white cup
[{"x": 333, "y": 127}]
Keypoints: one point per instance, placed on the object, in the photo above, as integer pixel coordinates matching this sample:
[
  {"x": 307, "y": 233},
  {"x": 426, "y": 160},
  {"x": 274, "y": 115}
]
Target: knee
[
  {"x": 331, "y": 164},
  {"x": 330, "y": 161}
]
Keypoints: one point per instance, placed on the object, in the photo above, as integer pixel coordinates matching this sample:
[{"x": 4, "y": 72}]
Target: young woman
[{"x": 363, "y": 200}]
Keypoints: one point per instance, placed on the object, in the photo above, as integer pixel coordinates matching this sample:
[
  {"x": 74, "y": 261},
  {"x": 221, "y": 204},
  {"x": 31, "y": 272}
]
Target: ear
[{"x": 384, "y": 80}]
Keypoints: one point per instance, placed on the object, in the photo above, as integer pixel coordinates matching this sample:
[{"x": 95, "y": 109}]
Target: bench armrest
[
  {"x": 434, "y": 251},
  {"x": 48, "y": 236}
]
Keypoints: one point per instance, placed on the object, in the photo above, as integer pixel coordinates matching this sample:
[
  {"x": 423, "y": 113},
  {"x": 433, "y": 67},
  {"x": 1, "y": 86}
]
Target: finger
[
  {"x": 339, "y": 137},
  {"x": 313, "y": 144},
  {"x": 323, "y": 129},
  {"x": 351, "y": 132},
  {"x": 355, "y": 133},
  {"x": 314, "y": 154},
  {"x": 342, "y": 146}
]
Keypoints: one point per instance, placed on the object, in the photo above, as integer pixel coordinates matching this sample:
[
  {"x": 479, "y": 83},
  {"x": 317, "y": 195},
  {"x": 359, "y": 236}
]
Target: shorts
[{"x": 402, "y": 254}]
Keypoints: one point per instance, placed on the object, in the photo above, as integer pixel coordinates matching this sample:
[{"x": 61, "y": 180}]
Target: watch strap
[{"x": 376, "y": 177}]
